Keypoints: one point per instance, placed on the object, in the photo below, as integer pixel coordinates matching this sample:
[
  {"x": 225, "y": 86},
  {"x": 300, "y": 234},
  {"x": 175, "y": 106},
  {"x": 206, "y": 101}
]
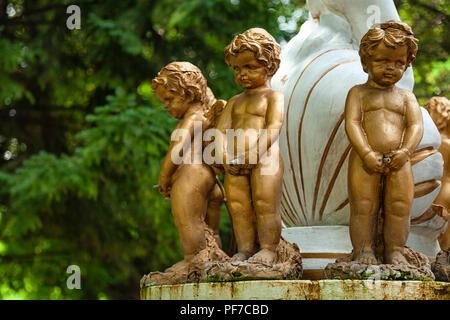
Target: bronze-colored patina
[
  {"x": 439, "y": 110},
  {"x": 194, "y": 194},
  {"x": 384, "y": 125},
  {"x": 253, "y": 195}
]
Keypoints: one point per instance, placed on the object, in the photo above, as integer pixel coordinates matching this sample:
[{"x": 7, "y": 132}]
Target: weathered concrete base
[{"x": 301, "y": 290}]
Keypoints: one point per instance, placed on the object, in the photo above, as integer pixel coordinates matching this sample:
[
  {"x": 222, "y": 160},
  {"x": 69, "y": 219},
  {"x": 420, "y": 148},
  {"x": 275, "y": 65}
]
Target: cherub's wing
[{"x": 214, "y": 112}]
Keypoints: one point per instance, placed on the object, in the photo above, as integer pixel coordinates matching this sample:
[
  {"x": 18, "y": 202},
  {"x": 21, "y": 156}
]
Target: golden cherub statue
[
  {"x": 192, "y": 186},
  {"x": 439, "y": 110},
  {"x": 253, "y": 175},
  {"x": 384, "y": 125}
]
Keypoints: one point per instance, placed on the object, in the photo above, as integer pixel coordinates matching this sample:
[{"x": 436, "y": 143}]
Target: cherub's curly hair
[
  {"x": 183, "y": 78},
  {"x": 393, "y": 34},
  {"x": 442, "y": 107},
  {"x": 261, "y": 43}
]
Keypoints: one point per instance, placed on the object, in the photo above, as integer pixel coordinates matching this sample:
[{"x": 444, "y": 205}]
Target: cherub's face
[
  {"x": 249, "y": 73},
  {"x": 174, "y": 103},
  {"x": 386, "y": 65}
]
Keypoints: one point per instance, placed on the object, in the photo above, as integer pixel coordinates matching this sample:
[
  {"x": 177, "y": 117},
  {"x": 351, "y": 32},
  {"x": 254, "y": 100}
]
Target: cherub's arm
[
  {"x": 353, "y": 127},
  {"x": 353, "y": 123},
  {"x": 224, "y": 122},
  {"x": 274, "y": 121},
  {"x": 184, "y": 132},
  {"x": 413, "y": 132},
  {"x": 414, "y": 123}
]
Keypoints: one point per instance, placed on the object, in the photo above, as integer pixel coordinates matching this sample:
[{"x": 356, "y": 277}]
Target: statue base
[
  {"x": 191, "y": 271},
  {"x": 301, "y": 290},
  {"x": 357, "y": 271},
  {"x": 288, "y": 265},
  {"x": 212, "y": 264},
  {"x": 417, "y": 268},
  {"x": 441, "y": 267},
  {"x": 321, "y": 245}
]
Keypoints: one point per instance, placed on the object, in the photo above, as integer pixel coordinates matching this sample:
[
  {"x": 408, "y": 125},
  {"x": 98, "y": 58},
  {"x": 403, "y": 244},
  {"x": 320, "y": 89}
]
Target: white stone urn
[{"x": 318, "y": 67}]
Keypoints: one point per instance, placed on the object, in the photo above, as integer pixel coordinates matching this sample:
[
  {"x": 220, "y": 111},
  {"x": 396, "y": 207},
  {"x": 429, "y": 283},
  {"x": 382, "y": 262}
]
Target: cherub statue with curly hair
[
  {"x": 253, "y": 194},
  {"x": 192, "y": 186},
  {"x": 384, "y": 125}
]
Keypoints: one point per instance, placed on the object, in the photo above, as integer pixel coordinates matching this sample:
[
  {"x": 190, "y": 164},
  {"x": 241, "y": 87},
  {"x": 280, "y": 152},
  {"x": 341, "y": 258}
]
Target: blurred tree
[
  {"x": 75, "y": 178},
  {"x": 430, "y": 20}
]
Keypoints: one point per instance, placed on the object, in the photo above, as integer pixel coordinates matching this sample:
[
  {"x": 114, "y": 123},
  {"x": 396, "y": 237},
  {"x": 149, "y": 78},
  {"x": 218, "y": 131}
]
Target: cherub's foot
[
  {"x": 179, "y": 266},
  {"x": 365, "y": 257},
  {"x": 265, "y": 256},
  {"x": 395, "y": 257},
  {"x": 240, "y": 256}
]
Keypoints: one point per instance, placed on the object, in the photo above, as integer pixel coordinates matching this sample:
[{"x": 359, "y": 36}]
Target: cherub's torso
[
  {"x": 249, "y": 110},
  {"x": 383, "y": 117},
  {"x": 249, "y": 114}
]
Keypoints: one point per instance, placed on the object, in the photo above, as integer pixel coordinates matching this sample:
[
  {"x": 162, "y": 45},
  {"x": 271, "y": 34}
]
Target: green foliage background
[{"x": 82, "y": 136}]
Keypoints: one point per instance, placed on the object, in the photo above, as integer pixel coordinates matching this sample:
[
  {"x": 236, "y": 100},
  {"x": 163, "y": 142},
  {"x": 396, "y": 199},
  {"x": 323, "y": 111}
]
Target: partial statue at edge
[{"x": 439, "y": 109}]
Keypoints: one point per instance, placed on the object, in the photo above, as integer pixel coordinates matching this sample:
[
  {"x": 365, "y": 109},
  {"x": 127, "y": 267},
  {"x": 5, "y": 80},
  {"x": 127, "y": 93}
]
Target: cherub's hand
[
  {"x": 164, "y": 185},
  {"x": 374, "y": 162},
  {"x": 232, "y": 169},
  {"x": 399, "y": 158}
]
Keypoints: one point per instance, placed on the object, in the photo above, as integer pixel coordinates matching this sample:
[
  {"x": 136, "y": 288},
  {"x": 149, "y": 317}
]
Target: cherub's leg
[
  {"x": 364, "y": 195},
  {"x": 190, "y": 189},
  {"x": 444, "y": 239},
  {"x": 237, "y": 189},
  {"x": 443, "y": 199},
  {"x": 398, "y": 198},
  {"x": 214, "y": 212},
  {"x": 266, "y": 192}
]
